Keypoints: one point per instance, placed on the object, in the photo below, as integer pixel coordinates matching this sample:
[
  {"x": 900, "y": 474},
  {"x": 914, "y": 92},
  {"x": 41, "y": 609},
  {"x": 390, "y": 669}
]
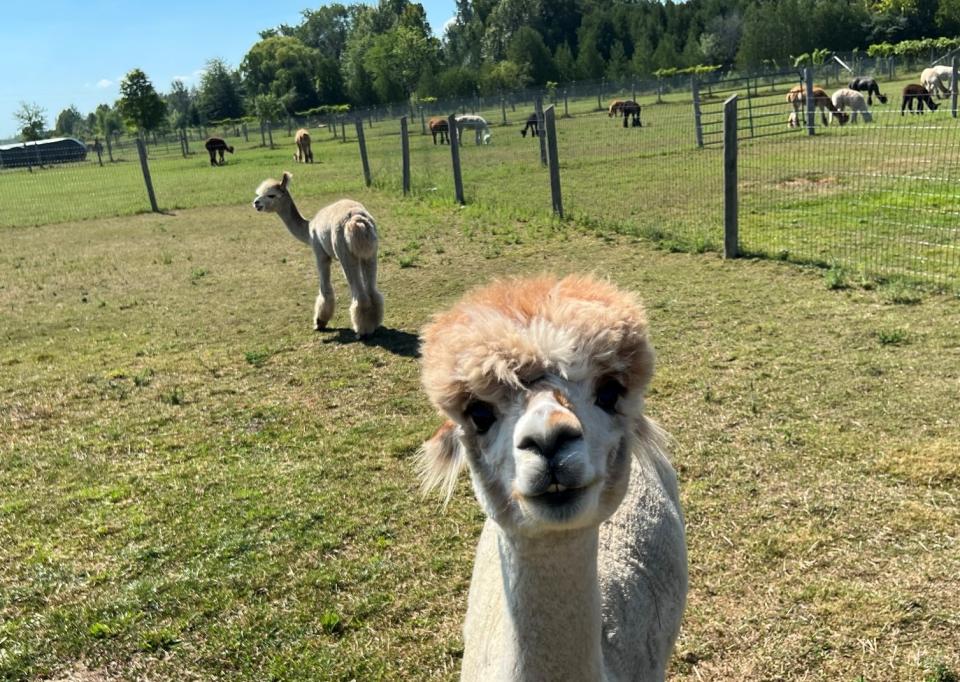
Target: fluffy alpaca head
[
  {"x": 271, "y": 193},
  {"x": 542, "y": 381}
]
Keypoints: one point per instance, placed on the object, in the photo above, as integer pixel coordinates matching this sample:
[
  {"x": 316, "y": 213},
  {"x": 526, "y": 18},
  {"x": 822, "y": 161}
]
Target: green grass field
[{"x": 197, "y": 486}]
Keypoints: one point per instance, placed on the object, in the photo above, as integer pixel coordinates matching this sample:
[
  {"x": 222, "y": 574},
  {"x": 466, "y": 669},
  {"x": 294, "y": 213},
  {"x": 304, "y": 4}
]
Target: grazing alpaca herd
[{"x": 934, "y": 80}]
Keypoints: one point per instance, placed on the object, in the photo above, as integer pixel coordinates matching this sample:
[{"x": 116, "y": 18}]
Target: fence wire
[
  {"x": 877, "y": 198},
  {"x": 881, "y": 199}
]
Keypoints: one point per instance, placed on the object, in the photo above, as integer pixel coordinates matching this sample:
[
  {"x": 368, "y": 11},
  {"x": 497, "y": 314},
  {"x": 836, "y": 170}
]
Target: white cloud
[
  {"x": 104, "y": 83},
  {"x": 192, "y": 79},
  {"x": 447, "y": 24}
]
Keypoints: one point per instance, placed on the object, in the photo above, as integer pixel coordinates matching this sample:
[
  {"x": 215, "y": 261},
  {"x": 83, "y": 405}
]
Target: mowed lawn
[{"x": 197, "y": 486}]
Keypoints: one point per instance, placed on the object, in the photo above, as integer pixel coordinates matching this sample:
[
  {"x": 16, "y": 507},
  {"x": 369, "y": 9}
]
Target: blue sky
[{"x": 65, "y": 52}]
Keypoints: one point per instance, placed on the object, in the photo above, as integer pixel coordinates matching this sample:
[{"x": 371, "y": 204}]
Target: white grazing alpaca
[
  {"x": 936, "y": 79},
  {"x": 343, "y": 230},
  {"x": 476, "y": 123},
  {"x": 845, "y": 98},
  {"x": 581, "y": 568}
]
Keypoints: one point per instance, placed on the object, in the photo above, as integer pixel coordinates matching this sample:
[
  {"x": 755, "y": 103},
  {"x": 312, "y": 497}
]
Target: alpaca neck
[
  {"x": 553, "y": 602},
  {"x": 298, "y": 226}
]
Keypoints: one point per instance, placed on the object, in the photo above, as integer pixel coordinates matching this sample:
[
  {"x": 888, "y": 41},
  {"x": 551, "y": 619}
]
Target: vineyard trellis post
[
  {"x": 953, "y": 87},
  {"x": 358, "y": 121},
  {"x": 810, "y": 104},
  {"x": 550, "y": 119},
  {"x": 142, "y": 153},
  {"x": 731, "y": 247},
  {"x": 405, "y": 151},
  {"x": 540, "y": 126},
  {"x": 455, "y": 158},
  {"x": 697, "y": 119}
]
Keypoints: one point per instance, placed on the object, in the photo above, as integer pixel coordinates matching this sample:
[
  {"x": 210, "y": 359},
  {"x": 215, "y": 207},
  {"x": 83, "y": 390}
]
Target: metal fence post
[
  {"x": 550, "y": 118},
  {"x": 697, "y": 122},
  {"x": 358, "y": 121},
  {"x": 405, "y": 152},
  {"x": 142, "y": 152},
  {"x": 731, "y": 246},
  {"x": 540, "y": 126},
  {"x": 808, "y": 96},
  {"x": 953, "y": 87},
  {"x": 452, "y": 134}
]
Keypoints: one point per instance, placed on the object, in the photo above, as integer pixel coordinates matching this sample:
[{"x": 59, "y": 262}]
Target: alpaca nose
[
  {"x": 547, "y": 427},
  {"x": 548, "y": 444}
]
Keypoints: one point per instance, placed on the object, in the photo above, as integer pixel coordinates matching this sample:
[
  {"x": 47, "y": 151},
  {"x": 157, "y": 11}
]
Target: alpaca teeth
[{"x": 556, "y": 488}]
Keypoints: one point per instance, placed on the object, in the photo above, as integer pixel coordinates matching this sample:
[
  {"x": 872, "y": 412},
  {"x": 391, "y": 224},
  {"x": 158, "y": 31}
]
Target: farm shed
[{"x": 42, "y": 152}]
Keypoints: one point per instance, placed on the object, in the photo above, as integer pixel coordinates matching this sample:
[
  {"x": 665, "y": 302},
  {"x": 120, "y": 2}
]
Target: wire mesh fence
[
  {"x": 880, "y": 199},
  {"x": 877, "y": 198}
]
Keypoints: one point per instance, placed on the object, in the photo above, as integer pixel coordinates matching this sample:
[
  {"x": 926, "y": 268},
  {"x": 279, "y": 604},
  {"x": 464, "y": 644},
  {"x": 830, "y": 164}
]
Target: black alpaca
[
  {"x": 631, "y": 110},
  {"x": 869, "y": 86},
  {"x": 532, "y": 124},
  {"x": 216, "y": 147},
  {"x": 920, "y": 94}
]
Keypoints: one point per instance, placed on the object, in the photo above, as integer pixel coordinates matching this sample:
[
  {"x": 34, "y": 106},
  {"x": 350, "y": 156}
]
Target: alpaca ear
[
  {"x": 287, "y": 177},
  {"x": 440, "y": 459}
]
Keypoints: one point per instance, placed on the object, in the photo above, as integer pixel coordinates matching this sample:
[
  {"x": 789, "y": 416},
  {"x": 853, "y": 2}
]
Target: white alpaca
[
  {"x": 581, "y": 568},
  {"x": 343, "y": 230},
  {"x": 845, "y": 98},
  {"x": 936, "y": 79},
  {"x": 478, "y": 124}
]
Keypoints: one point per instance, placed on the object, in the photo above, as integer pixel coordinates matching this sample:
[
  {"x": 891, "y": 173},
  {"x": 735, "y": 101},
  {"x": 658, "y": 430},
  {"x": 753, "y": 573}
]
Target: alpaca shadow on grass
[{"x": 396, "y": 341}]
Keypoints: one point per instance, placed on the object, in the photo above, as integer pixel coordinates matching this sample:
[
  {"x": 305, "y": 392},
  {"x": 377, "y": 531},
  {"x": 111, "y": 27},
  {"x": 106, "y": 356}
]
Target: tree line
[{"x": 363, "y": 55}]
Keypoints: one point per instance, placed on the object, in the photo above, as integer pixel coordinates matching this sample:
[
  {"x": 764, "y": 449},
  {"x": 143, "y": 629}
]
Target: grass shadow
[{"x": 396, "y": 341}]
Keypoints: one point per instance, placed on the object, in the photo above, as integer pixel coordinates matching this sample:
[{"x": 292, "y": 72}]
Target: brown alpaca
[
  {"x": 919, "y": 93},
  {"x": 630, "y": 111},
  {"x": 216, "y": 147},
  {"x": 614, "y": 108},
  {"x": 821, "y": 100},
  {"x": 441, "y": 126},
  {"x": 304, "y": 153}
]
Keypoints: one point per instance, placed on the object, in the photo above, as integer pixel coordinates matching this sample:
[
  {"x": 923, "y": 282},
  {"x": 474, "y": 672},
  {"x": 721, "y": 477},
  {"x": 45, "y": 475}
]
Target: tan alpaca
[
  {"x": 304, "y": 152},
  {"x": 797, "y": 97},
  {"x": 345, "y": 231},
  {"x": 581, "y": 568}
]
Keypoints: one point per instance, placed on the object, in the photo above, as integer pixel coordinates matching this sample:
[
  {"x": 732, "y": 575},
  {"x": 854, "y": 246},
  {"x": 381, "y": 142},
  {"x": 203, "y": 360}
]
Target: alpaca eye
[
  {"x": 481, "y": 414},
  {"x": 608, "y": 393}
]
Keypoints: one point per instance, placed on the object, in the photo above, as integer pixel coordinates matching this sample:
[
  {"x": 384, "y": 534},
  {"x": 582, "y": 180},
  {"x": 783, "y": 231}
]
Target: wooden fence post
[
  {"x": 749, "y": 107},
  {"x": 109, "y": 148},
  {"x": 697, "y": 120},
  {"x": 246, "y": 135},
  {"x": 142, "y": 152},
  {"x": 731, "y": 246},
  {"x": 566, "y": 108},
  {"x": 343, "y": 129},
  {"x": 550, "y": 118},
  {"x": 503, "y": 110},
  {"x": 953, "y": 87},
  {"x": 423, "y": 123},
  {"x": 405, "y": 151},
  {"x": 270, "y": 133},
  {"x": 808, "y": 94},
  {"x": 540, "y": 127},
  {"x": 455, "y": 157},
  {"x": 358, "y": 121}
]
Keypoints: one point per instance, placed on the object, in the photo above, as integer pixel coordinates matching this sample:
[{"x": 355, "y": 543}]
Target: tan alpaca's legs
[
  {"x": 366, "y": 310},
  {"x": 323, "y": 309},
  {"x": 375, "y": 317}
]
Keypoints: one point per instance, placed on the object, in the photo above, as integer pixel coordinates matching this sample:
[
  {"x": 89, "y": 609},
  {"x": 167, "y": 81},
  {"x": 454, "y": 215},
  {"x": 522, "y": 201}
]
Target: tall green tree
[
  {"x": 70, "y": 122},
  {"x": 220, "y": 93},
  {"x": 528, "y": 51},
  {"x": 139, "y": 105},
  {"x": 284, "y": 67},
  {"x": 31, "y": 118}
]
